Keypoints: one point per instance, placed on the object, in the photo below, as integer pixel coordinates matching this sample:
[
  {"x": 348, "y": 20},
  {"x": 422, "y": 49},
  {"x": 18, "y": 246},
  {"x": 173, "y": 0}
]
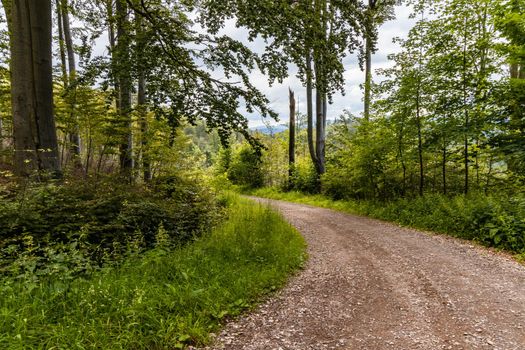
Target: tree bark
[
  {"x": 466, "y": 112},
  {"x": 34, "y": 131},
  {"x": 291, "y": 142},
  {"x": 444, "y": 166},
  {"x": 61, "y": 45},
  {"x": 420, "y": 144},
  {"x": 368, "y": 78},
  {"x": 309, "y": 107},
  {"x": 368, "y": 58},
  {"x": 74, "y": 138},
  {"x": 141, "y": 99},
  {"x": 142, "y": 102},
  {"x": 124, "y": 81}
]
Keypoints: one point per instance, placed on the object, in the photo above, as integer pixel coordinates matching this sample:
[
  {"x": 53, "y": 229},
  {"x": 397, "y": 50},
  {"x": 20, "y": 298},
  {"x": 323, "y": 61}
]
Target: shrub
[
  {"x": 245, "y": 168},
  {"x": 107, "y": 218}
]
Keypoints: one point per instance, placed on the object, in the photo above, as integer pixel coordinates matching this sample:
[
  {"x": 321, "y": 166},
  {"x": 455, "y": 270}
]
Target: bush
[
  {"x": 245, "y": 168},
  {"x": 104, "y": 217},
  {"x": 304, "y": 177}
]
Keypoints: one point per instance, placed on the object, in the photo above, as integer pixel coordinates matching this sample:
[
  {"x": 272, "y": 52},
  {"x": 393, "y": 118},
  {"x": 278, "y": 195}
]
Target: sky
[{"x": 354, "y": 77}]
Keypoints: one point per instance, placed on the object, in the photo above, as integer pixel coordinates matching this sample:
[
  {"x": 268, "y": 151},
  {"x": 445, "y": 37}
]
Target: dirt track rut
[{"x": 374, "y": 285}]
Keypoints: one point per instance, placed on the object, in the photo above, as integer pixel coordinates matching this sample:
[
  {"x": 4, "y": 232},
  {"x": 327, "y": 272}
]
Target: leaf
[{"x": 184, "y": 338}]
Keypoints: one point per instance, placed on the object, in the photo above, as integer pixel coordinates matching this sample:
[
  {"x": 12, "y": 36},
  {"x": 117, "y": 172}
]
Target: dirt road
[{"x": 373, "y": 285}]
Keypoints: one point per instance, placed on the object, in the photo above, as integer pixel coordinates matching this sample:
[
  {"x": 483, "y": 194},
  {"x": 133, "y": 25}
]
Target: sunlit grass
[{"x": 160, "y": 300}]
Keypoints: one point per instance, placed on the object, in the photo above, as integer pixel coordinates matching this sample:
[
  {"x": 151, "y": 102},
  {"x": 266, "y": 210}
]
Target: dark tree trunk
[
  {"x": 291, "y": 142},
  {"x": 34, "y": 131},
  {"x": 466, "y": 112},
  {"x": 420, "y": 143},
  {"x": 368, "y": 78},
  {"x": 309, "y": 107},
  {"x": 444, "y": 166},
  {"x": 61, "y": 44},
  {"x": 124, "y": 81},
  {"x": 141, "y": 99},
  {"x": 74, "y": 138},
  {"x": 402, "y": 156}
]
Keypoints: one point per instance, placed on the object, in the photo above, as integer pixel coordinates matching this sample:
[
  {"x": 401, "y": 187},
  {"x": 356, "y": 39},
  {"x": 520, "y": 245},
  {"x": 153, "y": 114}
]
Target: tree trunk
[
  {"x": 466, "y": 112},
  {"x": 61, "y": 46},
  {"x": 514, "y": 70},
  {"x": 291, "y": 142},
  {"x": 141, "y": 99},
  {"x": 124, "y": 80},
  {"x": 34, "y": 131},
  {"x": 420, "y": 147},
  {"x": 141, "y": 102},
  {"x": 402, "y": 156},
  {"x": 74, "y": 138},
  {"x": 318, "y": 129},
  {"x": 444, "y": 166},
  {"x": 309, "y": 107},
  {"x": 320, "y": 90},
  {"x": 368, "y": 77}
]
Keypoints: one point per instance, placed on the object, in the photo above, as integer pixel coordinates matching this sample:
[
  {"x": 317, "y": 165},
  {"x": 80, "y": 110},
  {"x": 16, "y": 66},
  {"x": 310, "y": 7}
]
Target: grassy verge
[
  {"x": 491, "y": 221},
  {"x": 160, "y": 300}
]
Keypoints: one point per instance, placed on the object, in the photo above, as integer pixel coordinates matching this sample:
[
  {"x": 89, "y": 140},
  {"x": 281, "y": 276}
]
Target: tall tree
[
  {"x": 510, "y": 20},
  {"x": 377, "y": 12},
  {"x": 291, "y": 140},
  {"x": 142, "y": 107},
  {"x": 35, "y": 139},
  {"x": 123, "y": 76},
  {"x": 74, "y": 138},
  {"x": 315, "y": 35}
]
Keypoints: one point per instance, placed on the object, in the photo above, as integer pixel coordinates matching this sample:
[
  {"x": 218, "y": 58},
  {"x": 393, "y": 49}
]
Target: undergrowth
[
  {"x": 166, "y": 298},
  {"x": 489, "y": 220},
  {"x": 94, "y": 222}
]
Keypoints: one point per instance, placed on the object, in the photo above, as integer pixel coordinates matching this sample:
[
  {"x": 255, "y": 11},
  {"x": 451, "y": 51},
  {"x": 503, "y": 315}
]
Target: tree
[
  {"x": 315, "y": 35},
  {"x": 510, "y": 19},
  {"x": 180, "y": 87},
  {"x": 123, "y": 76},
  {"x": 74, "y": 138},
  {"x": 291, "y": 140},
  {"x": 377, "y": 12},
  {"x": 35, "y": 139}
]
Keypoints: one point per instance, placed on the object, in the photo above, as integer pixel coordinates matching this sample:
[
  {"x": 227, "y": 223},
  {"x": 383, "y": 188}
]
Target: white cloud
[
  {"x": 278, "y": 92},
  {"x": 353, "y": 98}
]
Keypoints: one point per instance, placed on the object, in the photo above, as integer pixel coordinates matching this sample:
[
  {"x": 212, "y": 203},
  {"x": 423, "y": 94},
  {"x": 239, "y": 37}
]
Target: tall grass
[
  {"x": 490, "y": 220},
  {"x": 161, "y": 300}
]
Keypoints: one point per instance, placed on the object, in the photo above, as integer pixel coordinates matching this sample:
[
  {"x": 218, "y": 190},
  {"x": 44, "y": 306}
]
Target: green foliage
[
  {"x": 103, "y": 217},
  {"x": 245, "y": 168},
  {"x": 166, "y": 299},
  {"x": 304, "y": 176}
]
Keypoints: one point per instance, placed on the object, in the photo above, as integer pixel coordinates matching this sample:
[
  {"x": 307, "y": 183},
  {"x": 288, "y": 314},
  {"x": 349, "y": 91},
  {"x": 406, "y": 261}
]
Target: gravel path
[{"x": 374, "y": 285}]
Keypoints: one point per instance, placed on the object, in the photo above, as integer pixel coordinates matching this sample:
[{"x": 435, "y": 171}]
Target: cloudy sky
[
  {"x": 352, "y": 101},
  {"x": 278, "y": 93}
]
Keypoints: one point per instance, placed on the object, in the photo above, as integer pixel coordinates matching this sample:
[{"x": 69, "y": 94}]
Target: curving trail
[{"x": 374, "y": 285}]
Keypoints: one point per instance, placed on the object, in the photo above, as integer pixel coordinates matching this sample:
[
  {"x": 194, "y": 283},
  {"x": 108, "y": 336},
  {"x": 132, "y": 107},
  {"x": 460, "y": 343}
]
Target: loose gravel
[{"x": 373, "y": 285}]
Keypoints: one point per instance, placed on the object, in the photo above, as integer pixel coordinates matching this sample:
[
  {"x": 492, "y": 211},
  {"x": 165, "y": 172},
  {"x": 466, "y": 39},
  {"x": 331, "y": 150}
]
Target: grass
[
  {"x": 161, "y": 300},
  {"x": 489, "y": 220}
]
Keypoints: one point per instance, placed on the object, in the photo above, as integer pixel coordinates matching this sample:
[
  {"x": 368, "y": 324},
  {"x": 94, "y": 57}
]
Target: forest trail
[{"x": 374, "y": 285}]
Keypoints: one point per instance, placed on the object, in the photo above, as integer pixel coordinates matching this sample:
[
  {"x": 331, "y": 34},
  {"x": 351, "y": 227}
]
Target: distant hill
[{"x": 273, "y": 129}]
